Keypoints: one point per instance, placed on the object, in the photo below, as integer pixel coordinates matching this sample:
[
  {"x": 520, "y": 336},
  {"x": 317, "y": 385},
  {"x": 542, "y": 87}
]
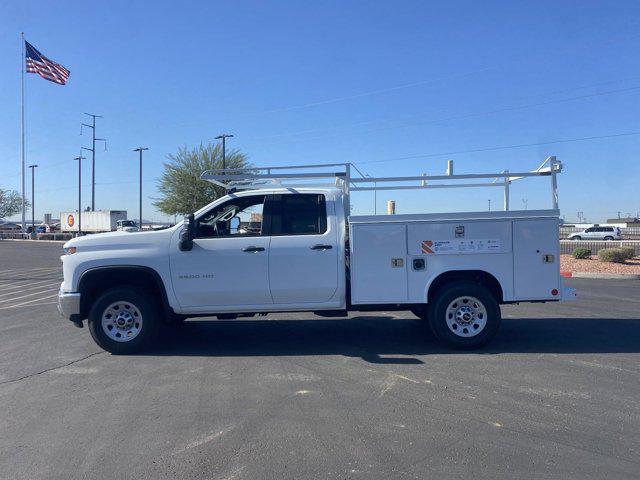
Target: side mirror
[{"x": 187, "y": 233}]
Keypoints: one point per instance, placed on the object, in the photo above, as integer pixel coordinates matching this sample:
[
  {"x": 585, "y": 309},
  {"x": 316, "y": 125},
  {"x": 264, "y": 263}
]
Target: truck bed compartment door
[
  {"x": 536, "y": 259},
  {"x": 378, "y": 263}
]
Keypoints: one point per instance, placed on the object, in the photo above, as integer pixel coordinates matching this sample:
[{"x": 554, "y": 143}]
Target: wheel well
[
  {"x": 96, "y": 281},
  {"x": 476, "y": 276}
]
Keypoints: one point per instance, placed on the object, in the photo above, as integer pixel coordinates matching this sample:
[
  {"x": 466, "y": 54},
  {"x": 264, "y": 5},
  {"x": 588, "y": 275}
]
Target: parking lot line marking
[
  {"x": 30, "y": 301},
  {"x": 32, "y": 271},
  {"x": 29, "y": 270},
  {"x": 57, "y": 285},
  {"x": 12, "y": 281},
  {"x": 13, "y": 285},
  {"x": 46, "y": 290},
  {"x": 32, "y": 305}
]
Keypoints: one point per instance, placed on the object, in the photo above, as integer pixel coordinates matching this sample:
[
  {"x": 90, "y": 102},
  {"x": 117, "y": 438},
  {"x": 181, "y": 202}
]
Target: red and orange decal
[{"x": 426, "y": 246}]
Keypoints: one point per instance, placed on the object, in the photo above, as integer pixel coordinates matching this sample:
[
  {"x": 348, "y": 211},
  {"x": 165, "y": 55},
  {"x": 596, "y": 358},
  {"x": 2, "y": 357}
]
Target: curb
[{"x": 603, "y": 276}]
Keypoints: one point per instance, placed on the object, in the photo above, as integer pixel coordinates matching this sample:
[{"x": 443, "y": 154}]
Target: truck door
[
  {"x": 229, "y": 262},
  {"x": 303, "y": 256},
  {"x": 536, "y": 258}
]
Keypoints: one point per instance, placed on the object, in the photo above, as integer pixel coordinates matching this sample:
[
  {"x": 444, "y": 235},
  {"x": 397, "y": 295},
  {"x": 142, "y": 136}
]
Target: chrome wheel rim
[
  {"x": 121, "y": 321},
  {"x": 466, "y": 316}
]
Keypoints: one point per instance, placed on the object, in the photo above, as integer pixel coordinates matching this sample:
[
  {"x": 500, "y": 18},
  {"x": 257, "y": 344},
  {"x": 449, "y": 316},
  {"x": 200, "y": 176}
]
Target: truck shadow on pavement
[{"x": 385, "y": 339}]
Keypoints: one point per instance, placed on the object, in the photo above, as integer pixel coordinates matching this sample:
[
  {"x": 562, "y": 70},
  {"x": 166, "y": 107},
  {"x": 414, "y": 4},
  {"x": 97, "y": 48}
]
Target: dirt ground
[{"x": 593, "y": 265}]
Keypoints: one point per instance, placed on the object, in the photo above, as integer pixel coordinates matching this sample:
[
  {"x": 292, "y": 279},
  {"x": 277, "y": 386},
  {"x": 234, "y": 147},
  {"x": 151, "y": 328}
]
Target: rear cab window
[{"x": 299, "y": 214}]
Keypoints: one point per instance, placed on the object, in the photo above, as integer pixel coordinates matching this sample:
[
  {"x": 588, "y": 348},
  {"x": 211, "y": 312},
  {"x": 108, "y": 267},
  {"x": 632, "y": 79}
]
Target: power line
[
  {"x": 373, "y": 92},
  {"x": 417, "y": 83},
  {"x": 502, "y": 147},
  {"x": 367, "y": 122},
  {"x": 464, "y": 116}
]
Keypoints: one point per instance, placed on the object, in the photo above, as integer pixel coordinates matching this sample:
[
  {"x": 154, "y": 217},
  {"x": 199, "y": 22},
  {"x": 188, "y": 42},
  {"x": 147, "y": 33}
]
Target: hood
[{"x": 116, "y": 240}]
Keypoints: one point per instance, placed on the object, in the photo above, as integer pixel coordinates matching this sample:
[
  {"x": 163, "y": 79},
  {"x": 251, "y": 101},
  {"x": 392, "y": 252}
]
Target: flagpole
[{"x": 22, "y": 62}]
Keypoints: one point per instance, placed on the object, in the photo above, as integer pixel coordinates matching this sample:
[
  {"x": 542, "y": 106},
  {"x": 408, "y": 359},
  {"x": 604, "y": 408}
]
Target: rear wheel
[
  {"x": 464, "y": 315},
  {"x": 123, "y": 321}
]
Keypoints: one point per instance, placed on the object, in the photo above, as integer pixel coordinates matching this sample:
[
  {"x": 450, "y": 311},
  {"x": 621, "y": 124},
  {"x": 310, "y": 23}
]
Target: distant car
[
  {"x": 127, "y": 226},
  {"x": 597, "y": 233}
]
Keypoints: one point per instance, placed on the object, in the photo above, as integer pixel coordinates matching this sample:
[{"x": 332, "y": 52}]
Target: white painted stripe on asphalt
[
  {"x": 9, "y": 300},
  {"x": 33, "y": 305},
  {"x": 30, "y": 270},
  {"x": 48, "y": 286},
  {"x": 11, "y": 271},
  {"x": 23, "y": 285},
  {"x": 24, "y": 281},
  {"x": 6, "y": 280},
  {"x": 30, "y": 301}
]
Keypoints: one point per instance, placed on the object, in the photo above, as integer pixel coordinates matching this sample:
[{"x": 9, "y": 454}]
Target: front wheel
[
  {"x": 608, "y": 239},
  {"x": 577, "y": 237},
  {"x": 464, "y": 315},
  {"x": 420, "y": 311},
  {"x": 123, "y": 321}
]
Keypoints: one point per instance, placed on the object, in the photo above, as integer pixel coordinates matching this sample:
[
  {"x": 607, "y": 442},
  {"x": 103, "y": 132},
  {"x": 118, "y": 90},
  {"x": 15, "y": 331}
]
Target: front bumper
[{"x": 69, "y": 305}]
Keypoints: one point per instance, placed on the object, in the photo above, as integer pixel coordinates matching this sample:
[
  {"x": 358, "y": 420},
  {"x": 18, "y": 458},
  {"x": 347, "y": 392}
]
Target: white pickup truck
[{"x": 269, "y": 246}]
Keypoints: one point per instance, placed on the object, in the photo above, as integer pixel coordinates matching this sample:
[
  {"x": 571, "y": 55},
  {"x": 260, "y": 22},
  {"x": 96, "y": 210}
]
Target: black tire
[
  {"x": 146, "y": 332},
  {"x": 577, "y": 237},
  {"x": 421, "y": 311},
  {"x": 608, "y": 239},
  {"x": 439, "y": 317}
]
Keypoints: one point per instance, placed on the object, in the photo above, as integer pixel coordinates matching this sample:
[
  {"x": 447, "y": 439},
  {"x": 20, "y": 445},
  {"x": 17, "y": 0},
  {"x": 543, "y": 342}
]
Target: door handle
[
  {"x": 322, "y": 247},
  {"x": 253, "y": 249}
]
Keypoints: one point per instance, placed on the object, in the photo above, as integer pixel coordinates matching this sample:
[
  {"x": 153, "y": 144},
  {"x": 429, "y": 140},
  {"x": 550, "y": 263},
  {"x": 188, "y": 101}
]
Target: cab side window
[
  {"x": 299, "y": 214},
  {"x": 240, "y": 217}
]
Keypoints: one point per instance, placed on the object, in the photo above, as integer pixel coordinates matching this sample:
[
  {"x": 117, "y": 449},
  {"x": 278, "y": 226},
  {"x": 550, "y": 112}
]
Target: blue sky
[{"x": 333, "y": 81}]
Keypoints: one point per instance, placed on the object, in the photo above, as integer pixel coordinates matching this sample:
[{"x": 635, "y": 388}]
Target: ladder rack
[{"x": 339, "y": 175}]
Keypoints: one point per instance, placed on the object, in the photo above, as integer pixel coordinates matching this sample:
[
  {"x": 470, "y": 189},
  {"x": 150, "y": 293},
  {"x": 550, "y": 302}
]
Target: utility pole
[
  {"x": 33, "y": 199},
  {"x": 489, "y": 204},
  {"x": 93, "y": 155},
  {"x": 223, "y": 137},
  {"x": 79, "y": 158},
  {"x": 140, "y": 149}
]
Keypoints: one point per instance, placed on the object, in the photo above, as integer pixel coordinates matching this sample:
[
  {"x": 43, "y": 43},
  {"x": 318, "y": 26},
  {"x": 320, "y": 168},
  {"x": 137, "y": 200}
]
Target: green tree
[
  {"x": 10, "y": 203},
  {"x": 181, "y": 189}
]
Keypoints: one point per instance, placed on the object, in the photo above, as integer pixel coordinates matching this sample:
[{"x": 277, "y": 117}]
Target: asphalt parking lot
[{"x": 556, "y": 395}]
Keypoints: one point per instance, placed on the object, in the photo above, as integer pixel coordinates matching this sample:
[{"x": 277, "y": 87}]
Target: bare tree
[{"x": 10, "y": 203}]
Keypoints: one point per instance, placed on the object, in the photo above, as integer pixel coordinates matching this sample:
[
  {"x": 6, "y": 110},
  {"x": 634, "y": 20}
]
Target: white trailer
[{"x": 91, "y": 222}]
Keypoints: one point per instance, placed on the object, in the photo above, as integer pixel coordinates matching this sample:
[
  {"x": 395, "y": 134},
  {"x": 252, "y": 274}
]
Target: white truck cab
[{"x": 269, "y": 246}]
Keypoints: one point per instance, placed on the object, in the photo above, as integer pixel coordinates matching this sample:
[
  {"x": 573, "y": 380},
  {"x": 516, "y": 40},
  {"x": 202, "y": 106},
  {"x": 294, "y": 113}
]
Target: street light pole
[
  {"x": 33, "y": 199},
  {"x": 79, "y": 158},
  {"x": 223, "y": 137},
  {"x": 140, "y": 150}
]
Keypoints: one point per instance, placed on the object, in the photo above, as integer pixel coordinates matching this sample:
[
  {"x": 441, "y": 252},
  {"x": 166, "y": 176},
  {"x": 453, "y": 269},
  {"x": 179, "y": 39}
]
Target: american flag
[{"x": 38, "y": 63}]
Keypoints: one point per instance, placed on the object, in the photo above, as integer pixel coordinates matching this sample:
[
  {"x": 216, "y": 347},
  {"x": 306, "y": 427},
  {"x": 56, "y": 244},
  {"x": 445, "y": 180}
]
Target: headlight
[{"x": 69, "y": 250}]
